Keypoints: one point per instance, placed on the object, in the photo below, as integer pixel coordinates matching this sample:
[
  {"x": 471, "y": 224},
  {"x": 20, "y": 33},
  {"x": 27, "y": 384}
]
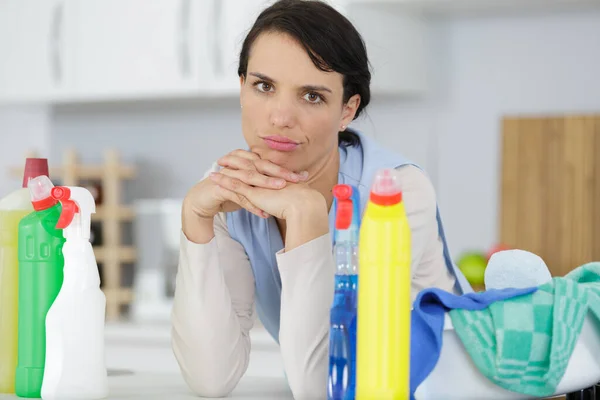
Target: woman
[{"x": 256, "y": 231}]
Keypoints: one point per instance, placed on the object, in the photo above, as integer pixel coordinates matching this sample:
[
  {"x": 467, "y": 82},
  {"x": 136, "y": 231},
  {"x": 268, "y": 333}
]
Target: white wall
[
  {"x": 482, "y": 68},
  {"x": 22, "y": 129}
]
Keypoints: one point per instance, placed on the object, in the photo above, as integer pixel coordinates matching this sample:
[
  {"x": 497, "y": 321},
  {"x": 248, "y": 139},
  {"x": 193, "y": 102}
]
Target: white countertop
[
  {"x": 142, "y": 366},
  {"x": 172, "y": 387}
]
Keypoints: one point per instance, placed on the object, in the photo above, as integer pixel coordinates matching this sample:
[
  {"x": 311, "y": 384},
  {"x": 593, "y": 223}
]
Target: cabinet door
[
  {"x": 139, "y": 48},
  {"x": 235, "y": 20},
  {"x": 31, "y": 63}
]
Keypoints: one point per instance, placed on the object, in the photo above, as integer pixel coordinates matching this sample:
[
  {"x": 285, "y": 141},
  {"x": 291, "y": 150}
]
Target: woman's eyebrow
[
  {"x": 262, "y": 76},
  {"x": 310, "y": 88},
  {"x": 316, "y": 88}
]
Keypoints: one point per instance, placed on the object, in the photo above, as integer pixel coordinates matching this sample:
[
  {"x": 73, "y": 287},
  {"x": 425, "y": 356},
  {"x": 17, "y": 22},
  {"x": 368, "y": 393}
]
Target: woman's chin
[
  {"x": 288, "y": 161},
  {"x": 276, "y": 157}
]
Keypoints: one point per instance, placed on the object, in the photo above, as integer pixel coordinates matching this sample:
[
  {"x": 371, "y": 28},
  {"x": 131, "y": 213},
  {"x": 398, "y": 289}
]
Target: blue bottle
[{"x": 342, "y": 333}]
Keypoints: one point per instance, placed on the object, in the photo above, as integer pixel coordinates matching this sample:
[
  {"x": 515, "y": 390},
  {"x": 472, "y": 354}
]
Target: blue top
[{"x": 261, "y": 238}]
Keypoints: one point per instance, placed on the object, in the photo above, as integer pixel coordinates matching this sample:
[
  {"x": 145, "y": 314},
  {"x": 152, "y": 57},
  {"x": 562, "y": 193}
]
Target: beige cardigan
[{"x": 213, "y": 309}]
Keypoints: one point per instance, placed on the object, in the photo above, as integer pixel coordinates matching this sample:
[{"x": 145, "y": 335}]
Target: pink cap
[{"x": 35, "y": 167}]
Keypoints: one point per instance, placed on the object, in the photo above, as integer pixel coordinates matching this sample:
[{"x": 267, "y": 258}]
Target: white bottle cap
[{"x": 40, "y": 188}]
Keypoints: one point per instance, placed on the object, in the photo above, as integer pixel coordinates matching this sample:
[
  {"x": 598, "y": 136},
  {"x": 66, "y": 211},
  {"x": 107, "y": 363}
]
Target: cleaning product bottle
[
  {"x": 383, "y": 335},
  {"x": 40, "y": 278},
  {"x": 13, "y": 208},
  {"x": 75, "y": 365},
  {"x": 342, "y": 332}
]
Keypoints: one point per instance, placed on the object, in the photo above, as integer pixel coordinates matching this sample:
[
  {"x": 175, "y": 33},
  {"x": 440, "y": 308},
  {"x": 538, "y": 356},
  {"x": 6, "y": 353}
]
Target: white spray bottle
[{"x": 75, "y": 365}]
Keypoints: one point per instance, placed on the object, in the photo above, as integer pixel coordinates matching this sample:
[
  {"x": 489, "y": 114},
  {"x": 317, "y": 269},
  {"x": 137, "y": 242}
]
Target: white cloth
[{"x": 517, "y": 269}]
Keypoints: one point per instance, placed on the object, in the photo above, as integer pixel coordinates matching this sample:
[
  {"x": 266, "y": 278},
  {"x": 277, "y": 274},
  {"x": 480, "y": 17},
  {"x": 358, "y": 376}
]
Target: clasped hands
[{"x": 262, "y": 187}]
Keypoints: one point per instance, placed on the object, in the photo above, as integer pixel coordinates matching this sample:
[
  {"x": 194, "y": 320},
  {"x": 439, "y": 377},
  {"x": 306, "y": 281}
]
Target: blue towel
[{"x": 427, "y": 324}]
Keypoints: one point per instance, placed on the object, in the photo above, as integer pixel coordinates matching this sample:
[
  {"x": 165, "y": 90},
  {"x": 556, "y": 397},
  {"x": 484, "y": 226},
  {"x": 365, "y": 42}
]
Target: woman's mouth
[{"x": 280, "y": 143}]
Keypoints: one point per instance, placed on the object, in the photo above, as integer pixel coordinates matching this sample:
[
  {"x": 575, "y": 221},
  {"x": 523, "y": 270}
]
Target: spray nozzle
[
  {"x": 77, "y": 206},
  {"x": 343, "y": 216},
  {"x": 69, "y": 207},
  {"x": 347, "y": 212}
]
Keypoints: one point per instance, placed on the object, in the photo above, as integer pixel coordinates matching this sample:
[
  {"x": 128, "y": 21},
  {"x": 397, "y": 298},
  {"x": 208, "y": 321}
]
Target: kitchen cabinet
[
  {"x": 135, "y": 48},
  {"x": 395, "y": 43},
  {"x": 70, "y": 51},
  {"x": 31, "y": 43},
  {"x": 164, "y": 48},
  {"x": 54, "y": 51},
  {"x": 138, "y": 48}
]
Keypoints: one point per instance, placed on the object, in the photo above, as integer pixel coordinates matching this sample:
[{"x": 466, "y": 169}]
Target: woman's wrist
[
  {"x": 306, "y": 221},
  {"x": 196, "y": 229}
]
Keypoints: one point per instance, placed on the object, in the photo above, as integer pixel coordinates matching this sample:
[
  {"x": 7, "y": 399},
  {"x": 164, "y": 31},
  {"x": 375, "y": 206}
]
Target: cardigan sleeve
[
  {"x": 213, "y": 312},
  {"x": 428, "y": 266}
]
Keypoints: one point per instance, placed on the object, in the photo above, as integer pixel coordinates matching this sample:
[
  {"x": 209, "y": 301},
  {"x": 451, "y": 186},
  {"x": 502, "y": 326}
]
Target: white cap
[{"x": 40, "y": 188}]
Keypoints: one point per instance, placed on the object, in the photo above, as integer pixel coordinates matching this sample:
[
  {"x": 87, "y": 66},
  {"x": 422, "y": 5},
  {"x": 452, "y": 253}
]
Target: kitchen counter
[
  {"x": 161, "y": 386},
  {"x": 141, "y": 365}
]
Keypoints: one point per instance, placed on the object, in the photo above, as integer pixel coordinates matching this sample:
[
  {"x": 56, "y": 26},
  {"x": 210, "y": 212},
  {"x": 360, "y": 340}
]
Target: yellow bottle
[
  {"x": 383, "y": 327},
  {"x": 13, "y": 208}
]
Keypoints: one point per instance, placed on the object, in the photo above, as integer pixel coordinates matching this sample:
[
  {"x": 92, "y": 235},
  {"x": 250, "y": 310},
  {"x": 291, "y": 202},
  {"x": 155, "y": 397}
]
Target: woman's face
[{"x": 291, "y": 110}]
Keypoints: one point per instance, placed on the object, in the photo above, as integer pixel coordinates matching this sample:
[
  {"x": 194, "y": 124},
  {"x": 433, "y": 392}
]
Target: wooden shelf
[
  {"x": 125, "y": 254},
  {"x": 124, "y": 214},
  {"x": 119, "y": 296}
]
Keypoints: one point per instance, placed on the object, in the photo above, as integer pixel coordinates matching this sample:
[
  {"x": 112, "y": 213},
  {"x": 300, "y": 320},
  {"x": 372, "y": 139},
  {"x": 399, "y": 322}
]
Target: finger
[
  {"x": 231, "y": 183},
  {"x": 254, "y": 178},
  {"x": 236, "y": 162},
  {"x": 266, "y": 167},
  {"x": 242, "y": 159},
  {"x": 241, "y": 200}
]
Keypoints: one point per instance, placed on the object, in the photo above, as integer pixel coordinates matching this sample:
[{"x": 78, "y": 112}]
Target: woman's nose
[{"x": 283, "y": 113}]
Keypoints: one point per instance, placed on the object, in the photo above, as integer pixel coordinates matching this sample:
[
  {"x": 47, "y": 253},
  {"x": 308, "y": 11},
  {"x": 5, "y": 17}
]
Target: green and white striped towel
[{"x": 524, "y": 344}]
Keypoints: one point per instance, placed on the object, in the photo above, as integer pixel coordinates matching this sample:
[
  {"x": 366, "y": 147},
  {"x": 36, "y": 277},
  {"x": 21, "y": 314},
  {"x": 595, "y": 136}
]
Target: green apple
[{"x": 472, "y": 265}]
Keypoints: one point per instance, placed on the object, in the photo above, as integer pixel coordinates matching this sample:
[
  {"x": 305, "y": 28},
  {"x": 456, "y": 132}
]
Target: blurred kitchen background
[{"x": 136, "y": 98}]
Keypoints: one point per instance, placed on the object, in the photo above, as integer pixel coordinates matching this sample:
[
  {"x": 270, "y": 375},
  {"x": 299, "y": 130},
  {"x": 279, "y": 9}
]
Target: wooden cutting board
[{"x": 550, "y": 188}]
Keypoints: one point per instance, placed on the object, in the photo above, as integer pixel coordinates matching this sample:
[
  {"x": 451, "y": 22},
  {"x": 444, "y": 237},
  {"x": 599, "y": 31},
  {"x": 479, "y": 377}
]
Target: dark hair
[{"x": 330, "y": 39}]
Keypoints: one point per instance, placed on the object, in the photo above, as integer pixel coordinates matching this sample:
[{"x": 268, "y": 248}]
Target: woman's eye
[
  {"x": 312, "y": 97},
  {"x": 264, "y": 86}
]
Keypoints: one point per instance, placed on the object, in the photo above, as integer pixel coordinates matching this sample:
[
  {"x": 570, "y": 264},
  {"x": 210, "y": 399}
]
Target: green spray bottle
[{"x": 41, "y": 265}]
